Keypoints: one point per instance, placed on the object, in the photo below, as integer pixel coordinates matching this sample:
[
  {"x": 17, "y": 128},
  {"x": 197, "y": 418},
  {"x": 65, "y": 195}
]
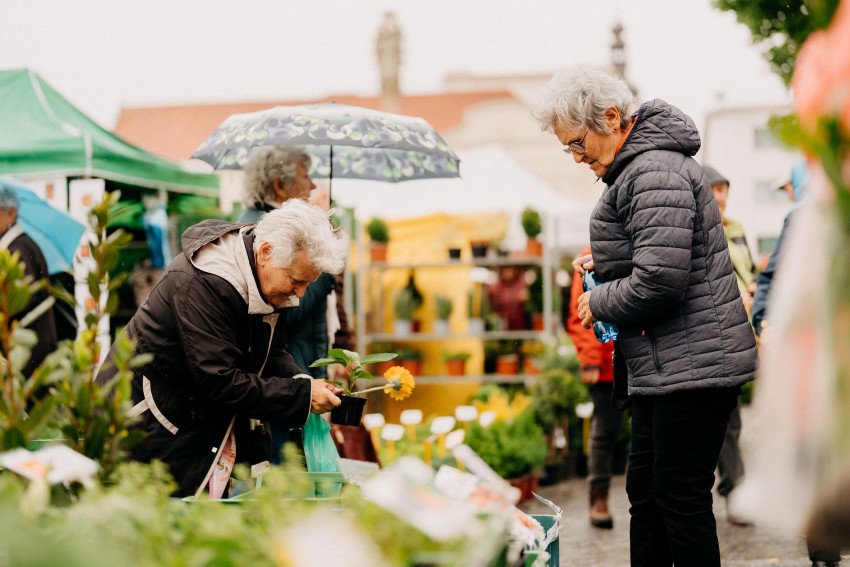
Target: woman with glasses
[{"x": 684, "y": 346}]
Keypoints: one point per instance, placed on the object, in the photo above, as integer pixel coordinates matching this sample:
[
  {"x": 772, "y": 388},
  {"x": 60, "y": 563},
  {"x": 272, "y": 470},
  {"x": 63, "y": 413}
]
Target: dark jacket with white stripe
[
  {"x": 658, "y": 242},
  {"x": 218, "y": 353}
]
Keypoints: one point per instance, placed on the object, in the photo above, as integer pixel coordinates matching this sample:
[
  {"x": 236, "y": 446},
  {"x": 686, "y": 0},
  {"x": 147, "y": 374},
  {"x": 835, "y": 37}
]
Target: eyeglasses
[{"x": 574, "y": 147}]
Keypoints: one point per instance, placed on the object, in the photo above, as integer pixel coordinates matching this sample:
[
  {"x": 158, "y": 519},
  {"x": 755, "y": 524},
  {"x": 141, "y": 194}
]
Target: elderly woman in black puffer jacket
[{"x": 658, "y": 245}]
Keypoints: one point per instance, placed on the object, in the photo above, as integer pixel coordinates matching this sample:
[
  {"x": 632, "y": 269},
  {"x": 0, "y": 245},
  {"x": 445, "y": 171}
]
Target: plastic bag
[{"x": 320, "y": 452}]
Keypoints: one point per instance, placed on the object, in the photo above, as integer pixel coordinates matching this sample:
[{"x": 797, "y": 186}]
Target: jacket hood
[
  {"x": 659, "y": 126},
  {"x": 218, "y": 248}
]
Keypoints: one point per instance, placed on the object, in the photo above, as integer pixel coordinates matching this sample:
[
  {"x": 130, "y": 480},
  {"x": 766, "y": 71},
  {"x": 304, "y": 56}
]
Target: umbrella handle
[{"x": 331, "y": 175}]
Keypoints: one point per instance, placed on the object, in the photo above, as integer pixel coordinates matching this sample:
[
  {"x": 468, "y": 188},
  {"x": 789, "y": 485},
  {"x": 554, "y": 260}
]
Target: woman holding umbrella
[{"x": 14, "y": 239}]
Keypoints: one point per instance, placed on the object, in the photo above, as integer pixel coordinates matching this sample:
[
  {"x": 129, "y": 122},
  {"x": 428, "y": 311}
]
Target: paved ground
[{"x": 582, "y": 545}]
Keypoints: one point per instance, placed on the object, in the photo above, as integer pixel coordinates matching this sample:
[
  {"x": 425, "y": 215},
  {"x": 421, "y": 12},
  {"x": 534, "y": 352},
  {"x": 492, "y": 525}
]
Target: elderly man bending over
[{"x": 219, "y": 365}]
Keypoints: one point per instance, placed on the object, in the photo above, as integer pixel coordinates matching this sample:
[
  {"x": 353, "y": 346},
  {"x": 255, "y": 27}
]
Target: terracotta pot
[
  {"x": 382, "y": 367},
  {"x": 537, "y": 321},
  {"x": 530, "y": 367},
  {"x": 534, "y": 248},
  {"x": 526, "y": 484},
  {"x": 412, "y": 365},
  {"x": 349, "y": 411},
  {"x": 378, "y": 252},
  {"x": 455, "y": 367},
  {"x": 507, "y": 364}
]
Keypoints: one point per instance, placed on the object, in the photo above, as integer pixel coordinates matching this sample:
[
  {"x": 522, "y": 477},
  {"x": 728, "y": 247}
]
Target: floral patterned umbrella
[{"x": 344, "y": 141}]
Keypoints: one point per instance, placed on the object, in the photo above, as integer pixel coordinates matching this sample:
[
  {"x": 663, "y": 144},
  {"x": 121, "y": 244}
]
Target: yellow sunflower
[{"x": 401, "y": 382}]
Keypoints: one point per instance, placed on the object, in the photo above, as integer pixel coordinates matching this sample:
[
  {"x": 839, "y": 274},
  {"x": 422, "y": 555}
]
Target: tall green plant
[
  {"x": 23, "y": 410},
  {"x": 92, "y": 417}
]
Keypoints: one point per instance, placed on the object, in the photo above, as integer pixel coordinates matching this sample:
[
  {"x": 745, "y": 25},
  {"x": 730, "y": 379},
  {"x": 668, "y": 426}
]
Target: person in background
[
  {"x": 275, "y": 175},
  {"x": 14, "y": 239},
  {"x": 795, "y": 187},
  {"x": 597, "y": 371},
  {"x": 730, "y": 464},
  {"x": 659, "y": 248},
  {"x": 508, "y": 295},
  {"x": 214, "y": 328}
]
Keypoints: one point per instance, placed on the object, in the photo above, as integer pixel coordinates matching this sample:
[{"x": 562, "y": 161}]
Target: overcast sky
[{"x": 103, "y": 54}]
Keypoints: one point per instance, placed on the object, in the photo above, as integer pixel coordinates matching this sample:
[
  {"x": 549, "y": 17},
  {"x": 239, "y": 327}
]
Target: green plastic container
[
  {"x": 554, "y": 548},
  {"x": 326, "y": 486}
]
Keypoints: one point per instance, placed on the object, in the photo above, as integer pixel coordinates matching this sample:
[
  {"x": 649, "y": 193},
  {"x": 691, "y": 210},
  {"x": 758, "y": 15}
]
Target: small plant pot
[
  {"x": 476, "y": 326},
  {"x": 507, "y": 364},
  {"x": 402, "y": 327},
  {"x": 454, "y": 253},
  {"x": 441, "y": 327},
  {"x": 533, "y": 248},
  {"x": 537, "y": 321},
  {"x": 479, "y": 249},
  {"x": 416, "y": 326},
  {"x": 455, "y": 367},
  {"x": 378, "y": 252},
  {"x": 382, "y": 367},
  {"x": 349, "y": 411},
  {"x": 413, "y": 365},
  {"x": 529, "y": 366}
]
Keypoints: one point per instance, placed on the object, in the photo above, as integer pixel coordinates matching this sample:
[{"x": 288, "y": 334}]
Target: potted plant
[
  {"x": 515, "y": 448},
  {"x": 531, "y": 353},
  {"x": 531, "y": 224},
  {"x": 507, "y": 361},
  {"x": 478, "y": 308},
  {"x": 404, "y": 307},
  {"x": 456, "y": 362},
  {"x": 443, "y": 310},
  {"x": 554, "y": 397},
  {"x": 411, "y": 359},
  {"x": 379, "y": 235},
  {"x": 400, "y": 382}
]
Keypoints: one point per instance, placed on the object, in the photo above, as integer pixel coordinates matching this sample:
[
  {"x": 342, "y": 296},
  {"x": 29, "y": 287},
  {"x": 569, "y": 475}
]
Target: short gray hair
[
  {"x": 579, "y": 96},
  {"x": 8, "y": 198},
  {"x": 296, "y": 226},
  {"x": 267, "y": 163}
]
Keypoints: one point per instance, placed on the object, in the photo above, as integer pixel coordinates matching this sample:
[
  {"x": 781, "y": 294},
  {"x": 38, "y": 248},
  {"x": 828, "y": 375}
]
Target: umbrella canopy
[
  {"x": 344, "y": 141},
  {"x": 56, "y": 233},
  {"x": 43, "y": 135}
]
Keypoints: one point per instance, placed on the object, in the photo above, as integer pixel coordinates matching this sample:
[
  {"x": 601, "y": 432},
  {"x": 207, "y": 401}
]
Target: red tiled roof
[{"x": 175, "y": 132}]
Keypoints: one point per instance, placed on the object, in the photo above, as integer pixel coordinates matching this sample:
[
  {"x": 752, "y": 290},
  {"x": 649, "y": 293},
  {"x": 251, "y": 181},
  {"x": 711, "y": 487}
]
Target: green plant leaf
[
  {"x": 326, "y": 362},
  {"x": 379, "y": 357}
]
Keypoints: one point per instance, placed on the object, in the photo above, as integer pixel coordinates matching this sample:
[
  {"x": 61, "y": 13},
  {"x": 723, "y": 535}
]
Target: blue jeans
[{"x": 676, "y": 439}]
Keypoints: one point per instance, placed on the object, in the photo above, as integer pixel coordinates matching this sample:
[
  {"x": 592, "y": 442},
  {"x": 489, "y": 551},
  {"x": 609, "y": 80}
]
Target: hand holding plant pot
[{"x": 400, "y": 382}]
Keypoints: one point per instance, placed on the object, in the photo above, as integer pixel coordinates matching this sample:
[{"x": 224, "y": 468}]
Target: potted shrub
[
  {"x": 478, "y": 308},
  {"x": 515, "y": 448},
  {"x": 404, "y": 308},
  {"x": 554, "y": 397},
  {"x": 531, "y": 353},
  {"x": 379, "y": 235},
  {"x": 443, "y": 310},
  {"x": 532, "y": 227},
  {"x": 411, "y": 359},
  {"x": 400, "y": 382},
  {"x": 507, "y": 360},
  {"x": 456, "y": 362}
]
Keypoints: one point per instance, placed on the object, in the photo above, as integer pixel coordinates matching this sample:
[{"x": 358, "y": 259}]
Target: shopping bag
[{"x": 320, "y": 452}]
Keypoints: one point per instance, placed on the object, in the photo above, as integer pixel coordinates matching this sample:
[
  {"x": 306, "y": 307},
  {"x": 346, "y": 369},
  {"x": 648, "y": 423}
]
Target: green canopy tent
[{"x": 44, "y": 135}]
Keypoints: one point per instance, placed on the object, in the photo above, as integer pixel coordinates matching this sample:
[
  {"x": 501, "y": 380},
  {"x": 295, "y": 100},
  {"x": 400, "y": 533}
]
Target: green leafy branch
[{"x": 354, "y": 363}]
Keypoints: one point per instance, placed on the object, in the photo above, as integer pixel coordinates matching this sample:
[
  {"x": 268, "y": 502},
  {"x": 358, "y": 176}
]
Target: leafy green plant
[
  {"x": 456, "y": 355},
  {"x": 531, "y": 224},
  {"x": 378, "y": 230},
  {"x": 355, "y": 364},
  {"x": 513, "y": 448},
  {"x": 409, "y": 353},
  {"x": 405, "y": 306},
  {"x": 443, "y": 307},
  {"x": 555, "y": 395}
]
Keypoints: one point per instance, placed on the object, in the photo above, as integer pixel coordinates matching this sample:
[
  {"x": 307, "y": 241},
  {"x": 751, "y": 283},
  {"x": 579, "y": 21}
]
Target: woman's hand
[
  {"x": 323, "y": 396},
  {"x": 584, "y": 313},
  {"x": 583, "y": 264}
]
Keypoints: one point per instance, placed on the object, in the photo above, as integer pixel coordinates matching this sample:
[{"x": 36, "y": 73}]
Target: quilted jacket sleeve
[{"x": 659, "y": 208}]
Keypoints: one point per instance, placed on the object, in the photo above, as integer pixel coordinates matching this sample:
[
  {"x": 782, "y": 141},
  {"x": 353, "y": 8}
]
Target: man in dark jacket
[
  {"x": 13, "y": 239},
  {"x": 214, "y": 328},
  {"x": 658, "y": 244}
]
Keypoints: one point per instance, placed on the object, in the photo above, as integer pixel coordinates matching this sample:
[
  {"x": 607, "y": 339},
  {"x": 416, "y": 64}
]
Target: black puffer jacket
[
  {"x": 658, "y": 242},
  {"x": 215, "y": 357}
]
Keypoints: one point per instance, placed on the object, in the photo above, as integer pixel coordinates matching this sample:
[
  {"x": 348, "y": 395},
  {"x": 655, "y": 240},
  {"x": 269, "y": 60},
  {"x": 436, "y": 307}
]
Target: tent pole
[{"x": 331, "y": 175}]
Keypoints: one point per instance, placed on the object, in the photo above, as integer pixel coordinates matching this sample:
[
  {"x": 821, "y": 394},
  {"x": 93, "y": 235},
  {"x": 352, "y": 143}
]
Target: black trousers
[
  {"x": 604, "y": 428},
  {"x": 676, "y": 439}
]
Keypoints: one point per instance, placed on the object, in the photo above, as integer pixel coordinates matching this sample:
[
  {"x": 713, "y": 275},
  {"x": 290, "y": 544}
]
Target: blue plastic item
[{"x": 605, "y": 332}]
